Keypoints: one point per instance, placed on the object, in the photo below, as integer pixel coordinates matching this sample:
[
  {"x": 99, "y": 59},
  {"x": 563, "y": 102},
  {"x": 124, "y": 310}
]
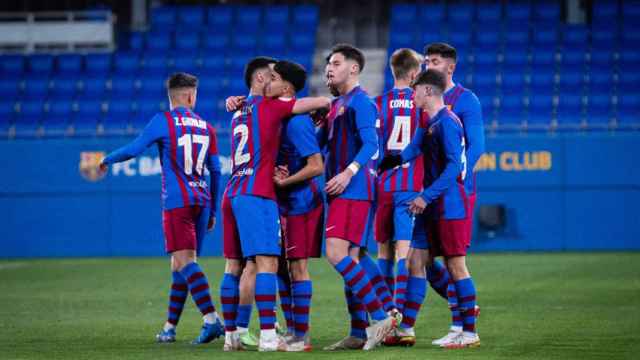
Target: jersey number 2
[
  {"x": 240, "y": 157},
  {"x": 187, "y": 141}
]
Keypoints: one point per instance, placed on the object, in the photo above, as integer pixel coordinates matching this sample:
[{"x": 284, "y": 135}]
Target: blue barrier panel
[{"x": 569, "y": 192}]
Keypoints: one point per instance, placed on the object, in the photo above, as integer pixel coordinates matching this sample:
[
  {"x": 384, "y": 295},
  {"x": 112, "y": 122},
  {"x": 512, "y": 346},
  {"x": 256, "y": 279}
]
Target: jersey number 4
[
  {"x": 400, "y": 134},
  {"x": 187, "y": 141}
]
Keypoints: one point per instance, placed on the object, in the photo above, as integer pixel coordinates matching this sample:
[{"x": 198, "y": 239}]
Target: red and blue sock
[
  {"x": 284, "y": 290},
  {"x": 378, "y": 283},
  {"x": 417, "y": 291},
  {"x": 229, "y": 296},
  {"x": 199, "y": 288},
  {"x": 266, "y": 299},
  {"x": 438, "y": 277},
  {"x": 452, "y": 298},
  {"x": 358, "y": 313},
  {"x": 244, "y": 315},
  {"x": 302, "y": 292},
  {"x": 402, "y": 277},
  {"x": 356, "y": 278},
  {"x": 386, "y": 268},
  {"x": 467, "y": 303},
  {"x": 177, "y": 298}
]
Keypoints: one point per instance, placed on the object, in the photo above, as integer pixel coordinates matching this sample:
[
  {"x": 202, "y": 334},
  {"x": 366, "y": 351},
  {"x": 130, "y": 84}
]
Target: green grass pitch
[{"x": 534, "y": 306}]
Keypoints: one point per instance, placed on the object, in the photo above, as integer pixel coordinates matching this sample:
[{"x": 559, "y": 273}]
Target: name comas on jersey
[
  {"x": 401, "y": 103},
  {"x": 189, "y": 121}
]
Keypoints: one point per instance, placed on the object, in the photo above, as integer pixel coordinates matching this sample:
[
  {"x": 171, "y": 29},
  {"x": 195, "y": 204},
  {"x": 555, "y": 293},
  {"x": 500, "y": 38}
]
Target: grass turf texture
[{"x": 534, "y": 306}]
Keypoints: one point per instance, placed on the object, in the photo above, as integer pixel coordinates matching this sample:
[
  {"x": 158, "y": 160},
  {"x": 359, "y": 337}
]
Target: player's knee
[
  {"x": 182, "y": 258},
  {"x": 233, "y": 266},
  {"x": 299, "y": 270},
  {"x": 383, "y": 250},
  {"x": 267, "y": 264},
  {"x": 457, "y": 268},
  {"x": 335, "y": 250}
]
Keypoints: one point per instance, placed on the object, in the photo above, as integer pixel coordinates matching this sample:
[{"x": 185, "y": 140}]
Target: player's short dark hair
[
  {"x": 181, "y": 80},
  {"x": 443, "y": 49},
  {"x": 292, "y": 72},
  {"x": 433, "y": 78},
  {"x": 403, "y": 61},
  {"x": 349, "y": 52},
  {"x": 254, "y": 64}
]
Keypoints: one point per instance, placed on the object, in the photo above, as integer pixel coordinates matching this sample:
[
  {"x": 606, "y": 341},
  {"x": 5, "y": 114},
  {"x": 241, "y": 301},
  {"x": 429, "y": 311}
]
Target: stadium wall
[{"x": 564, "y": 192}]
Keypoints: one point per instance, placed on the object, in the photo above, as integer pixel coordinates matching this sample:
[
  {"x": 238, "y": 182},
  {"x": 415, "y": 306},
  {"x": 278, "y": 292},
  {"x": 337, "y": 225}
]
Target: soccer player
[
  {"x": 441, "y": 228},
  {"x": 399, "y": 118},
  {"x": 300, "y": 182},
  {"x": 187, "y": 144},
  {"x": 465, "y": 104},
  {"x": 251, "y": 220},
  {"x": 352, "y": 145}
]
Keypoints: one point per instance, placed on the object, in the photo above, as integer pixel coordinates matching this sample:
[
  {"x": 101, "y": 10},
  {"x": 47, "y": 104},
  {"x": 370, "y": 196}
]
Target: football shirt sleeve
[
  {"x": 302, "y": 134},
  {"x": 150, "y": 134},
  {"x": 366, "y": 116},
  {"x": 471, "y": 113}
]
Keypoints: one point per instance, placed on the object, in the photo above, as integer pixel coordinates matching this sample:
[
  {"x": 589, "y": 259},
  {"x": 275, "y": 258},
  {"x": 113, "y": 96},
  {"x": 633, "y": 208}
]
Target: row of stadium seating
[
  {"x": 113, "y": 94},
  {"x": 533, "y": 71}
]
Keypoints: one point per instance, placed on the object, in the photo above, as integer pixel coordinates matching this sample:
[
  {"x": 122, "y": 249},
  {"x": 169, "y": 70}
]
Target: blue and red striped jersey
[
  {"x": 299, "y": 141},
  {"x": 186, "y": 144},
  {"x": 443, "y": 146},
  {"x": 352, "y": 137},
  {"x": 465, "y": 104},
  {"x": 255, "y": 140},
  {"x": 398, "y": 120}
]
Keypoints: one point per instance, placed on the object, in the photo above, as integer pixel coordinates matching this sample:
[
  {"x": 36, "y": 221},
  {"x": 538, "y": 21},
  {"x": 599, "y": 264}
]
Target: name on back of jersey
[
  {"x": 401, "y": 103},
  {"x": 188, "y": 121}
]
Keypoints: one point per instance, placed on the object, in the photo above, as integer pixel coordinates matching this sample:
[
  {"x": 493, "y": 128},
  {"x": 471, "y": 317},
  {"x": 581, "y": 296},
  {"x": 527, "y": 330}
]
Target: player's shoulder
[
  {"x": 361, "y": 98},
  {"x": 467, "y": 95},
  {"x": 451, "y": 119},
  {"x": 299, "y": 123}
]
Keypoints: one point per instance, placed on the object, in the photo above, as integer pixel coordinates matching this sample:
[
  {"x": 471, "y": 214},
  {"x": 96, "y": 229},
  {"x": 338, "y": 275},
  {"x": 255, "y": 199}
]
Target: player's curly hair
[{"x": 292, "y": 72}]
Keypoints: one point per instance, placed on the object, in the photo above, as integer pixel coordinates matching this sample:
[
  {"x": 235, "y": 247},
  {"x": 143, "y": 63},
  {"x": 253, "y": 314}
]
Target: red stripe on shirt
[
  {"x": 172, "y": 155},
  {"x": 196, "y": 198}
]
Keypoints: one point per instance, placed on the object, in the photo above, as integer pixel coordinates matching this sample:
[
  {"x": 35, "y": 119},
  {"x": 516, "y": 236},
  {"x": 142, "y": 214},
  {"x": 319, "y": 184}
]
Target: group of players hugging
[{"x": 397, "y": 168}]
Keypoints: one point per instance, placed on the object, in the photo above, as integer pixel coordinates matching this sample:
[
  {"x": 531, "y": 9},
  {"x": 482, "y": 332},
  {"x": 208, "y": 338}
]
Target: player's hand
[
  {"x": 233, "y": 103},
  {"x": 279, "y": 176},
  {"x": 319, "y": 117},
  {"x": 212, "y": 223},
  {"x": 389, "y": 162},
  {"x": 339, "y": 182},
  {"x": 103, "y": 168},
  {"x": 417, "y": 206}
]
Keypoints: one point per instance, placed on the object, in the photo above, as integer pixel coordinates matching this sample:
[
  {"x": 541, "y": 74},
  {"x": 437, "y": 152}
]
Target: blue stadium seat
[
  {"x": 41, "y": 64},
  {"x": 569, "y": 110},
  {"x": 303, "y": 42},
  {"x": 511, "y": 111},
  {"x": 10, "y": 88},
  {"x": 155, "y": 65},
  {"x": 461, "y": 13},
  {"x": 273, "y": 42},
  {"x": 29, "y": 118},
  {"x": 191, "y": 15},
  {"x": 237, "y": 86},
  {"x": 631, "y": 11},
  {"x": 518, "y": 12},
  {"x": 210, "y": 87},
  {"x": 154, "y": 87},
  {"x": 540, "y": 111},
  {"x": 437, "y": 35},
  {"x": 159, "y": 41},
  {"x": 59, "y": 117},
  {"x": 147, "y": 108},
  {"x": 401, "y": 39},
  {"x": 630, "y": 36},
  {"x": 87, "y": 118},
  {"x": 599, "y": 110},
  {"x": 135, "y": 40},
  {"x": 630, "y": 60},
  {"x": 485, "y": 59},
  {"x": 542, "y": 81},
  {"x": 628, "y": 112},
  {"x": 305, "y": 16},
  {"x": 70, "y": 64},
  {"x": 601, "y": 79},
  {"x": 97, "y": 64},
  {"x": 404, "y": 14},
  {"x": 545, "y": 37},
  {"x": 574, "y": 35},
  {"x": 126, "y": 63},
  {"x": 606, "y": 9},
  {"x": 93, "y": 88},
  {"x": 118, "y": 116},
  {"x": 7, "y": 113},
  {"x": 516, "y": 38},
  {"x": 163, "y": 16},
  {"x": 218, "y": 42},
  {"x": 488, "y": 40},
  {"x": 601, "y": 58},
  {"x": 186, "y": 63},
  {"x": 12, "y": 65},
  {"x": 214, "y": 65},
  {"x": 64, "y": 87},
  {"x": 489, "y": 13},
  {"x": 571, "y": 82},
  {"x": 603, "y": 41},
  {"x": 36, "y": 88},
  {"x": 220, "y": 16},
  {"x": 123, "y": 86},
  {"x": 547, "y": 10},
  {"x": 277, "y": 16},
  {"x": 628, "y": 83},
  {"x": 572, "y": 58},
  {"x": 189, "y": 41},
  {"x": 303, "y": 59},
  {"x": 544, "y": 57},
  {"x": 244, "y": 42},
  {"x": 248, "y": 17},
  {"x": 434, "y": 12}
]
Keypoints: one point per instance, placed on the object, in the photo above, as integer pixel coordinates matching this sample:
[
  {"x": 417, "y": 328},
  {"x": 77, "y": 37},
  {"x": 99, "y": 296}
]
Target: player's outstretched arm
[
  {"x": 233, "y": 103},
  {"x": 414, "y": 149},
  {"x": 473, "y": 129},
  {"x": 151, "y": 133},
  {"x": 454, "y": 153},
  {"x": 308, "y": 104},
  {"x": 213, "y": 165}
]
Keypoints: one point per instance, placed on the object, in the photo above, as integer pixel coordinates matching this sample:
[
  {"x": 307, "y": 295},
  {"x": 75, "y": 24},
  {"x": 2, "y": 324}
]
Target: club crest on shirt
[
  {"x": 449, "y": 107},
  {"x": 341, "y": 110},
  {"x": 89, "y": 165}
]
